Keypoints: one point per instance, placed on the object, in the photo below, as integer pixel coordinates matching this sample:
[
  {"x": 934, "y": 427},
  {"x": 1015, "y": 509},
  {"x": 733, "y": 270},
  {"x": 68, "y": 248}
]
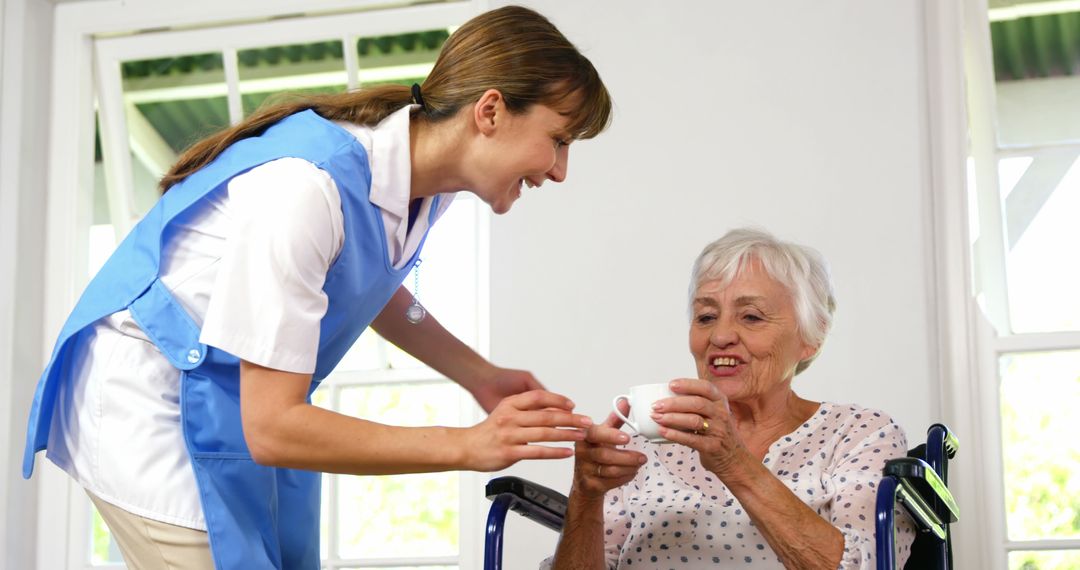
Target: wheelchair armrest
[
  {"x": 531, "y": 500},
  {"x": 923, "y": 490}
]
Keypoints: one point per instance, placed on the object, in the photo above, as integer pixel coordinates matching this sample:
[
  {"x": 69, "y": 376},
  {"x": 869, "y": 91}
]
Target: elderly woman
[{"x": 757, "y": 476}]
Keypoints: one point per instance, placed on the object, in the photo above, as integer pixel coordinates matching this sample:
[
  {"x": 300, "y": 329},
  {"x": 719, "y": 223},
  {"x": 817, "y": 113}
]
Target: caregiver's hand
[
  {"x": 504, "y": 437},
  {"x": 500, "y": 383},
  {"x": 599, "y": 465},
  {"x": 699, "y": 417}
]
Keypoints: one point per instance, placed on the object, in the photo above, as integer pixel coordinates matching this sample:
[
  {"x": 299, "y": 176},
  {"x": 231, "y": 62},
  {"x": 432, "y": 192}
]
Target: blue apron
[{"x": 257, "y": 516}]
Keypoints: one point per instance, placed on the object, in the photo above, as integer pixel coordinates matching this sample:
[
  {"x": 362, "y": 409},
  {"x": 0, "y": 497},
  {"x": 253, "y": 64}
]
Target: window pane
[
  {"x": 1045, "y": 560},
  {"x": 103, "y": 549},
  {"x": 367, "y": 353},
  {"x": 171, "y": 103},
  {"x": 300, "y": 68},
  {"x": 1042, "y": 205},
  {"x": 1039, "y": 423},
  {"x": 403, "y": 58},
  {"x": 102, "y": 242},
  {"x": 398, "y": 359},
  {"x": 1038, "y": 111},
  {"x": 391, "y": 515},
  {"x": 1035, "y": 70}
]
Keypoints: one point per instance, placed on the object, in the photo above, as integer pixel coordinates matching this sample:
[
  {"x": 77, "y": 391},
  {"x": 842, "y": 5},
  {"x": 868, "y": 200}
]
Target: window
[
  {"x": 159, "y": 91},
  {"x": 1025, "y": 206}
]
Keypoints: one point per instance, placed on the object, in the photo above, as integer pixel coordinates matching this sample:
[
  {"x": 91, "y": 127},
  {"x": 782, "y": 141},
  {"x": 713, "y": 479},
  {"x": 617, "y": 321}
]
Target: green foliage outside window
[
  {"x": 100, "y": 551},
  {"x": 418, "y": 514},
  {"x": 1049, "y": 560},
  {"x": 1039, "y": 393}
]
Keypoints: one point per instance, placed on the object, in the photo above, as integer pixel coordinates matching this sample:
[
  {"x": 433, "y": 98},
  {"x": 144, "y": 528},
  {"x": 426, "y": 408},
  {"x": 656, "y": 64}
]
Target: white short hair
[{"x": 799, "y": 268}]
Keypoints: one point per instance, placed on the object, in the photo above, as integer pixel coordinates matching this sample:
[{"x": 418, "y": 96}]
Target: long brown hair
[{"x": 512, "y": 49}]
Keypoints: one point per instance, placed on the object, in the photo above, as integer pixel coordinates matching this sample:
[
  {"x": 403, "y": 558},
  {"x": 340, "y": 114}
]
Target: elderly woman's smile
[{"x": 744, "y": 334}]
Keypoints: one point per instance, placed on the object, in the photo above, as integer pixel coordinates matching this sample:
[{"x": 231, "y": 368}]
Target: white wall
[
  {"x": 24, "y": 89},
  {"x": 807, "y": 119}
]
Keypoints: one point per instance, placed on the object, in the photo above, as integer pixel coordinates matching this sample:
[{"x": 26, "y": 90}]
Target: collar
[{"x": 391, "y": 180}]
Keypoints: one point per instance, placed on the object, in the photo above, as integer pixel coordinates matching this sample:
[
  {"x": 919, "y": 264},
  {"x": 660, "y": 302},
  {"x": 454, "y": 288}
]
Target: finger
[
  {"x": 541, "y": 452},
  {"x": 694, "y": 387},
  {"x": 684, "y": 404},
  {"x": 610, "y": 456},
  {"x": 615, "y": 471},
  {"x": 682, "y": 437},
  {"x": 615, "y": 421},
  {"x": 538, "y": 400},
  {"x": 606, "y": 435},
  {"x": 527, "y": 435},
  {"x": 685, "y": 422},
  {"x": 551, "y": 418}
]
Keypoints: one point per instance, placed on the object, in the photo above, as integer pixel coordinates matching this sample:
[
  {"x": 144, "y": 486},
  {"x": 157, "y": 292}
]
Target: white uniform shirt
[
  {"x": 674, "y": 514},
  {"x": 247, "y": 263}
]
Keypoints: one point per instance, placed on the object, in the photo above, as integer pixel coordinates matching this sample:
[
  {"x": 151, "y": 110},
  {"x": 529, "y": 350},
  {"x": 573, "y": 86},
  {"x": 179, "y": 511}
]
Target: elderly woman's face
[{"x": 744, "y": 336}]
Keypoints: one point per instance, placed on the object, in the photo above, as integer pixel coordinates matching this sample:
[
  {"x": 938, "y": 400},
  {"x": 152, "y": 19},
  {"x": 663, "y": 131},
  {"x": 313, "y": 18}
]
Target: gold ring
[
  {"x": 598, "y": 468},
  {"x": 704, "y": 425}
]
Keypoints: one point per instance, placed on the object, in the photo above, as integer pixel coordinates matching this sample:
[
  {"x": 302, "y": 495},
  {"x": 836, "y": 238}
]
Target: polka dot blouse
[{"x": 674, "y": 514}]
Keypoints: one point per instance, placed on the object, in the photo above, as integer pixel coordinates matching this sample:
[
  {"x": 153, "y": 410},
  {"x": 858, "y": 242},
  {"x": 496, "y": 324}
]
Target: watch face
[{"x": 415, "y": 313}]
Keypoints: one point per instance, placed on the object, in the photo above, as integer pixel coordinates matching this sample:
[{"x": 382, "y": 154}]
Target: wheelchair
[{"x": 918, "y": 482}]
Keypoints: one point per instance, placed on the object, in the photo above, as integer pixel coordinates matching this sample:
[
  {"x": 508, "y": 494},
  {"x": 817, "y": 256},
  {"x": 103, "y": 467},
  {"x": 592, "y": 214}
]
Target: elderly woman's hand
[
  {"x": 699, "y": 418},
  {"x": 599, "y": 465}
]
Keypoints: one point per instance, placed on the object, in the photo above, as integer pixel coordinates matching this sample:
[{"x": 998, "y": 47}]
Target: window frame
[
  {"x": 979, "y": 331},
  {"x": 89, "y": 41},
  {"x": 958, "y": 326}
]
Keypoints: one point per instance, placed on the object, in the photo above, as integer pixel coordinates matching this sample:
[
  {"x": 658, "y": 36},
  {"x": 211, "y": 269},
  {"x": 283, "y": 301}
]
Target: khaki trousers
[{"x": 153, "y": 545}]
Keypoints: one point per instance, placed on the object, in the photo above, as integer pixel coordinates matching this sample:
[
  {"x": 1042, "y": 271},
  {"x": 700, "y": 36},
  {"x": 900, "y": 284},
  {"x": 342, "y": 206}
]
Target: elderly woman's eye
[
  {"x": 752, "y": 317},
  {"x": 705, "y": 318}
]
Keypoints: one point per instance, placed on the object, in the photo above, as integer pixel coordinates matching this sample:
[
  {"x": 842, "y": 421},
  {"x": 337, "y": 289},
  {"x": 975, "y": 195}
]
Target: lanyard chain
[{"x": 415, "y": 312}]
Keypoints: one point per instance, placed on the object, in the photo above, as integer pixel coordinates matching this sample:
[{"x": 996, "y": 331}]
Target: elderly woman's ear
[{"x": 808, "y": 352}]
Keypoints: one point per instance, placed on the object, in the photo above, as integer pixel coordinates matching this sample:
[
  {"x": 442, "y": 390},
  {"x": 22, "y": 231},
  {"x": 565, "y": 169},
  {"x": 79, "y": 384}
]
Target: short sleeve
[
  {"x": 267, "y": 302},
  {"x": 873, "y": 438}
]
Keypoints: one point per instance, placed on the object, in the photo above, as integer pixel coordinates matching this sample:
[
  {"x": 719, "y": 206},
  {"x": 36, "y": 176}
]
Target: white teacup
[{"x": 641, "y": 399}]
